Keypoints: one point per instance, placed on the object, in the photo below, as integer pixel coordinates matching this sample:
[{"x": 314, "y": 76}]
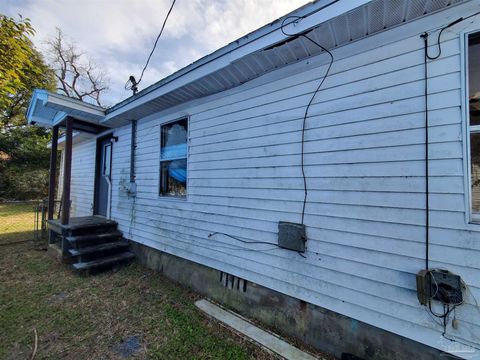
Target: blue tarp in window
[
  {"x": 177, "y": 169},
  {"x": 174, "y": 151}
]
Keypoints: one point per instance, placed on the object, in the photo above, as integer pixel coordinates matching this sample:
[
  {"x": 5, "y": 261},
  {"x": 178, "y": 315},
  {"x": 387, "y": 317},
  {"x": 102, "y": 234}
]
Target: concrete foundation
[{"x": 323, "y": 329}]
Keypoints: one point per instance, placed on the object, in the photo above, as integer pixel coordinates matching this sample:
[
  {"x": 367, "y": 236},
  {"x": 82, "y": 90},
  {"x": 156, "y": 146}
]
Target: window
[
  {"x": 173, "y": 158},
  {"x": 474, "y": 120},
  {"x": 107, "y": 159}
]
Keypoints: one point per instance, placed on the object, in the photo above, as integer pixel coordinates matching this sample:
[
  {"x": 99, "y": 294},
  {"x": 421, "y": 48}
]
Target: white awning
[{"x": 49, "y": 109}]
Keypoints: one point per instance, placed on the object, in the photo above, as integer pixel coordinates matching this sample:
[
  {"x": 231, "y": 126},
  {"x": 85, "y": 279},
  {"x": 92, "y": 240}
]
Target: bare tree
[{"x": 77, "y": 75}]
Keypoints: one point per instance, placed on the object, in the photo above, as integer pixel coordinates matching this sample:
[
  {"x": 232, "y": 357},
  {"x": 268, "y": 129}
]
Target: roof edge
[{"x": 334, "y": 7}]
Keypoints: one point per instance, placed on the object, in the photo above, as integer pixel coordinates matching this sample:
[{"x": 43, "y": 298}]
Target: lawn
[
  {"x": 132, "y": 313},
  {"x": 16, "y": 221}
]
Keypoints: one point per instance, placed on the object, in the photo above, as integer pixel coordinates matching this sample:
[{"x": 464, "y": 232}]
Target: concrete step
[
  {"x": 81, "y": 241},
  {"x": 269, "y": 340},
  {"x": 100, "y": 248},
  {"x": 103, "y": 264}
]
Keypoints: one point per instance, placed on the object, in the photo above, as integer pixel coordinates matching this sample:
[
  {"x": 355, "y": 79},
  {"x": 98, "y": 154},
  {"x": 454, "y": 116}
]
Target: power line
[{"x": 131, "y": 83}]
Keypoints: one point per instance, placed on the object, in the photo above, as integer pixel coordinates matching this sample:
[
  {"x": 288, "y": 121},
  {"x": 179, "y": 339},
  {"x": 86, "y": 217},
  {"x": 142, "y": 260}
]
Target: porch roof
[{"x": 49, "y": 109}]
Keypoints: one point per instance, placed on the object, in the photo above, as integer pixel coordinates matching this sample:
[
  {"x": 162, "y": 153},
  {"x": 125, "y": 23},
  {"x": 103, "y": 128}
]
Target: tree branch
[{"x": 77, "y": 76}]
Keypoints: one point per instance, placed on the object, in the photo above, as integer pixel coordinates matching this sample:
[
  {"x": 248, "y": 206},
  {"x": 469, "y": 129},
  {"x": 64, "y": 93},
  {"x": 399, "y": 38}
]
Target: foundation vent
[{"x": 233, "y": 282}]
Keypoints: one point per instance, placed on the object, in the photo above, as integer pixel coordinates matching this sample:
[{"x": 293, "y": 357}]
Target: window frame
[
  {"x": 471, "y": 217},
  {"x": 160, "y": 194}
]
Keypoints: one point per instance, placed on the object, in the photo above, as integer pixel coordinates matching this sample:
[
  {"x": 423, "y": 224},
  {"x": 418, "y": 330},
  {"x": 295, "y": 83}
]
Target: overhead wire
[
  {"x": 131, "y": 80},
  {"x": 331, "y": 3}
]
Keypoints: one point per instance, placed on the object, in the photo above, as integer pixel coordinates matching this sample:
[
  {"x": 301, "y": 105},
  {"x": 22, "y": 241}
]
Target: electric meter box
[
  {"x": 291, "y": 236},
  {"x": 440, "y": 285}
]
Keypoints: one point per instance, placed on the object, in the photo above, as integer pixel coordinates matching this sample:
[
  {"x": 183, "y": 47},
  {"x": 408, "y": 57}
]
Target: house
[{"x": 202, "y": 171}]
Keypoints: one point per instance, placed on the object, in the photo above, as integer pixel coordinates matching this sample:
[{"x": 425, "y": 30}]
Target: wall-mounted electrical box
[
  {"x": 291, "y": 236},
  {"x": 440, "y": 285}
]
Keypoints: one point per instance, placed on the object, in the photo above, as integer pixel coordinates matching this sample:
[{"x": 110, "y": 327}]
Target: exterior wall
[
  {"x": 286, "y": 315},
  {"x": 365, "y": 167},
  {"x": 83, "y": 178}
]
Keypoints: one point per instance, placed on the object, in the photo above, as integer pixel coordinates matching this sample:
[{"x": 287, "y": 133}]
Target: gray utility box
[
  {"x": 291, "y": 236},
  {"x": 441, "y": 285}
]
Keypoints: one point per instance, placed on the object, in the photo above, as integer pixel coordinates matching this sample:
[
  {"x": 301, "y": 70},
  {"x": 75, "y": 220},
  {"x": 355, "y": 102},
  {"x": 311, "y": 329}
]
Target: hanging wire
[
  {"x": 276, "y": 246},
  {"x": 241, "y": 240},
  {"x": 131, "y": 83},
  {"x": 427, "y": 57},
  {"x": 305, "y": 116}
]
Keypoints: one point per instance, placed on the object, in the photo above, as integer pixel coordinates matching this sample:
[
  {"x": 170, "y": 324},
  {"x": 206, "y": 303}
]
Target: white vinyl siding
[
  {"x": 83, "y": 178},
  {"x": 365, "y": 168}
]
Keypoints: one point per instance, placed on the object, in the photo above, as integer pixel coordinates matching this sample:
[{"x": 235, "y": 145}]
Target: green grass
[
  {"x": 87, "y": 317},
  {"x": 16, "y": 222}
]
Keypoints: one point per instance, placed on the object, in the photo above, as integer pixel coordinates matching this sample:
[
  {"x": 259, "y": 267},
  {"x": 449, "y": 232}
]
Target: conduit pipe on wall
[{"x": 132, "y": 190}]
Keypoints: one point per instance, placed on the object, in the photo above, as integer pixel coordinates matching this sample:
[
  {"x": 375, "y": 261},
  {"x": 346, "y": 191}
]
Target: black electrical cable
[
  {"x": 296, "y": 18},
  {"x": 439, "y": 47},
  {"x": 299, "y": 253},
  {"x": 239, "y": 248},
  {"x": 135, "y": 84},
  {"x": 241, "y": 240},
  {"x": 445, "y": 318},
  {"x": 427, "y": 57},
  {"x": 460, "y": 342},
  {"x": 249, "y": 242},
  {"x": 305, "y": 116},
  {"x": 446, "y": 307},
  {"x": 441, "y": 316},
  {"x": 131, "y": 86},
  {"x": 446, "y": 313},
  {"x": 427, "y": 197}
]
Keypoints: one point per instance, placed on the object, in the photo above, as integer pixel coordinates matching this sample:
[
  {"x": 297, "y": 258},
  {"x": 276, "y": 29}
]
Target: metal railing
[{"x": 41, "y": 218}]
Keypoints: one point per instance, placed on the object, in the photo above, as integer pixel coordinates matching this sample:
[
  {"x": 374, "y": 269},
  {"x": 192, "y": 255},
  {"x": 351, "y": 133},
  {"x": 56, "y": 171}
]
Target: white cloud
[{"x": 118, "y": 34}]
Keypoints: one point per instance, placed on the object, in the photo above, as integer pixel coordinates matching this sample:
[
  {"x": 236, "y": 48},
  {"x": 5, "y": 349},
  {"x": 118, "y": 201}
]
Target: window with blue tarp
[{"x": 173, "y": 158}]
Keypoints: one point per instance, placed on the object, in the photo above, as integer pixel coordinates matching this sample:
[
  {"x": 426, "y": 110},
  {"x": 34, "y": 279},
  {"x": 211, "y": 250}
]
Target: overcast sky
[{"x": 119, "y": 34}]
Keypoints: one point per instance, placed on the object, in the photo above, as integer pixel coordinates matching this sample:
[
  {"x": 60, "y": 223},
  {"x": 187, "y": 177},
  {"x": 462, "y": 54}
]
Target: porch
[{"x": 88, "y": 243}]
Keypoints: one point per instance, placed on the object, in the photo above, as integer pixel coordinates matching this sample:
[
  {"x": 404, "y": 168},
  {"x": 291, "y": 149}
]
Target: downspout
[{"x": 132, "y": 190}]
